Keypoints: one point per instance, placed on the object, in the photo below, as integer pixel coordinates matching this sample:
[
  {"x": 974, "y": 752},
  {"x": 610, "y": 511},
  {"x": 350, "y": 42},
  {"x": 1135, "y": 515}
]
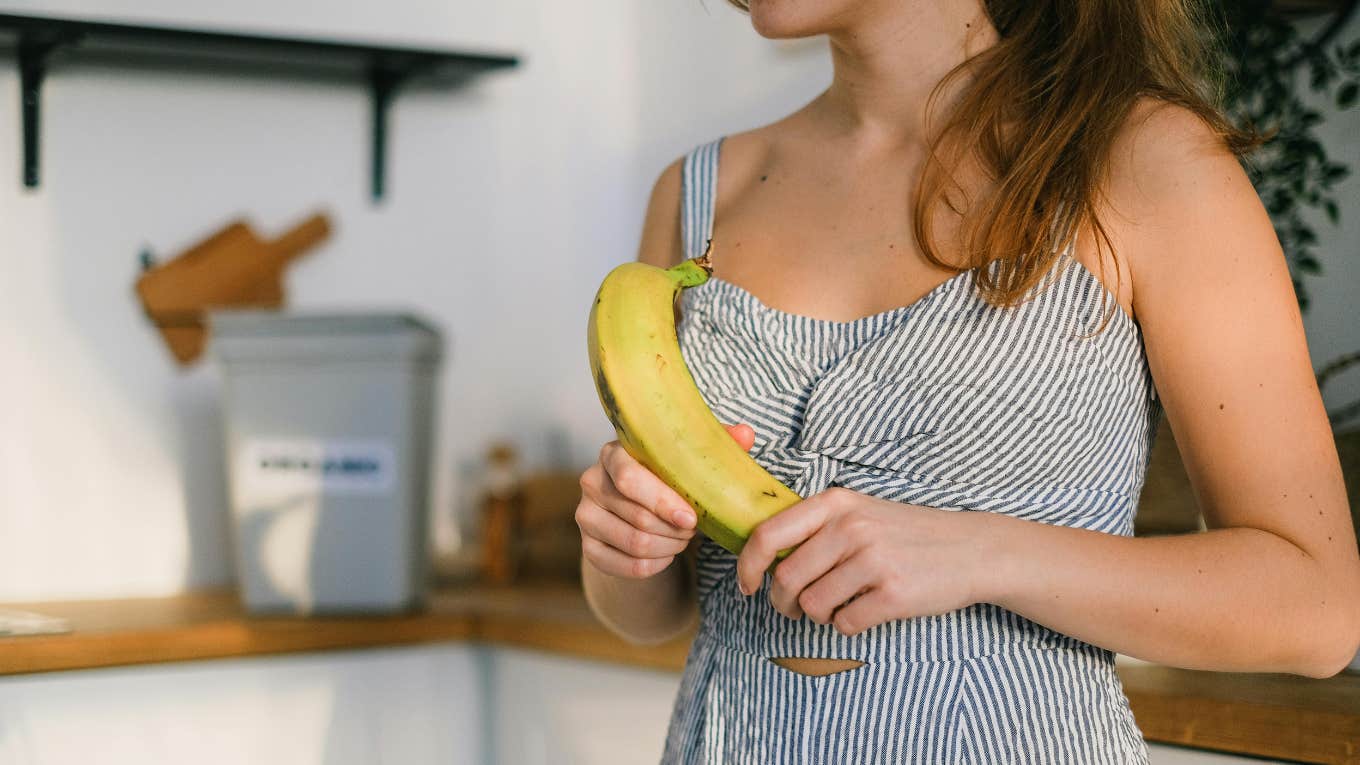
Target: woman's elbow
[
  {"x": 1336, "y": 642},
  {"x": 1333, "y": 657}
]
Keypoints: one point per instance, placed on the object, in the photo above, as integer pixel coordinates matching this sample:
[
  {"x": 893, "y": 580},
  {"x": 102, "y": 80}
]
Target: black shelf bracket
[
  {"x": 383, "y": 69},
  {"x": 383, "y": 82},
  {"x": 382, "y": 87},
  {"x": 33, "y": 56}
]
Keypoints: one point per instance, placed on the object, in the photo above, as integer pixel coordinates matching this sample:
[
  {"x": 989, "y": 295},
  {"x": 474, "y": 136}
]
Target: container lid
[{"x": 282, "y": 337}]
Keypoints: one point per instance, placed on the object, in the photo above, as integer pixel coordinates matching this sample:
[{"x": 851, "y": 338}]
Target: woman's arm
[
  {"x": 657, "y": 607},
  {"x": 1273, "y": 586},
  {"x": 644, "y": 611}
]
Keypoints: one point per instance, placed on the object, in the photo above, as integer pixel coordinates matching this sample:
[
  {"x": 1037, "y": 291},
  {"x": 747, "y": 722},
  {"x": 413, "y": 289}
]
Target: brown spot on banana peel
[{"x": 611, "y": 405}]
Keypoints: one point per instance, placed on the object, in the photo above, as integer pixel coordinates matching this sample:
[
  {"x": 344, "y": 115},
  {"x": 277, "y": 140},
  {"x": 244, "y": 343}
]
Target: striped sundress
[{"x": 949, "y": 403}]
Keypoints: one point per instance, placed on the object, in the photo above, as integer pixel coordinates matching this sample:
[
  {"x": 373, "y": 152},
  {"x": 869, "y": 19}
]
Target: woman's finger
[
  {"x": 615, "y": 563},
  {"x": 745, "y": 434},
  {"x": 813, "y": 559},
  {"x": 642, "y": 486},
  {"x": 629, "y": 540},
  {"x": 608, "y": 497},
  {"x": 786, "y": 529},
  {"x": 868, "y": 610},
  {"x": 843, "y": 582},
  {"x": 638, "y": 516}
]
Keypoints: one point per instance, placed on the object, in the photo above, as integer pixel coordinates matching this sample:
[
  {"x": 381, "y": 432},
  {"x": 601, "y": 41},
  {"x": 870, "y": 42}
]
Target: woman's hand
[
  {"x": 632, "y": 524},
  {"x": 889, "y": 560}
]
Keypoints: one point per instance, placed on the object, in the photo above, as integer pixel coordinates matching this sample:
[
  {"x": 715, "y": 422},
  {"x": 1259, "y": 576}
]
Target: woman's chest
[
  {"x": 943, "y": 390},
  {"x": 818, "y": 238},
  {"x": 829, "y": 264},
  {"x": 843, "y": 261}
]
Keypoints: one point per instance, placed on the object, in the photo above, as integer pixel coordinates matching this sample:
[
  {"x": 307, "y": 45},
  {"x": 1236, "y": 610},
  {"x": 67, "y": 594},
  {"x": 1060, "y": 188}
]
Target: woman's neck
[{"x": 887, "y": 62}]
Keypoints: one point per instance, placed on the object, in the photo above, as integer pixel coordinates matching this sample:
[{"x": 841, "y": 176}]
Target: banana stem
[
  {"x": 704, "y": 261},
  {"x": 692, "y": 272}
]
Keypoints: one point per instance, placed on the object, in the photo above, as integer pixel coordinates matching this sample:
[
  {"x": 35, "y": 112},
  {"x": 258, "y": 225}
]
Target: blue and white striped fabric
[{"x": 950, "y": 403}]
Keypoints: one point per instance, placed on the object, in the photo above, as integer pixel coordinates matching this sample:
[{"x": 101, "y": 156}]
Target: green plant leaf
[
  {"x": 1346, "y": 95},
  {"x": 1320, "y": 73}
]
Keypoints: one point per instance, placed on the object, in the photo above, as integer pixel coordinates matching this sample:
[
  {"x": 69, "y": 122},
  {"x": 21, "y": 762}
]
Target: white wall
[{"x": 508, "y": 202}]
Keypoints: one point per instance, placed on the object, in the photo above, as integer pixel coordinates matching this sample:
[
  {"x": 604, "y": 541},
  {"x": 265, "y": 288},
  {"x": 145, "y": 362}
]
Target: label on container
[{"x": 268, "y": 466}]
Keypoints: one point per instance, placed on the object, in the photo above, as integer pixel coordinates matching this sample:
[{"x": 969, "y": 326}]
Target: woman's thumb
[{"x": 745, "y": 434}]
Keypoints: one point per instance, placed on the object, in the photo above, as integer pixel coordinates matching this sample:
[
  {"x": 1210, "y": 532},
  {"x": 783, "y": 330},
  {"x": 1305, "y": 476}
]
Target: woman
[{"x": 953, "y": 324}]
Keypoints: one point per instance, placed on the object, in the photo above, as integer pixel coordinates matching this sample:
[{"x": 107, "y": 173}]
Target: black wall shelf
[{"x": 40, "y": 43}]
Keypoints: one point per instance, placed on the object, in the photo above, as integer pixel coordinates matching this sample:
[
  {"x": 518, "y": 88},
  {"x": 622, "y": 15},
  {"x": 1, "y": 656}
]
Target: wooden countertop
[
  {"x": 1281, "y": 716},
  {"x": 213, "y": 625}
]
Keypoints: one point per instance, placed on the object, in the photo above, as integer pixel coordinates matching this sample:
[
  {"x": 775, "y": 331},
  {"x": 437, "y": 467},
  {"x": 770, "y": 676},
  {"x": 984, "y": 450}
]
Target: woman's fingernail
[
  {"x": 742, "y": 586},
  {"x": 682, "y": 518}
]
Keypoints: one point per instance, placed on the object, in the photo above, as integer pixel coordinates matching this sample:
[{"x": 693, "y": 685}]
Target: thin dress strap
[{"x": 698, "y": 195}]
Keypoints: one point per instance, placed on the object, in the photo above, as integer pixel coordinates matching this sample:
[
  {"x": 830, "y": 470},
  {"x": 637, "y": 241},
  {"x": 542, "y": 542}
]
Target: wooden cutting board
[{"x": 233, "y": 268}]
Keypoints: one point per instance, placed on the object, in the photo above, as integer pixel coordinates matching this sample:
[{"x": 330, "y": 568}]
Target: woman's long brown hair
[{"x": 1039, "y": 116}]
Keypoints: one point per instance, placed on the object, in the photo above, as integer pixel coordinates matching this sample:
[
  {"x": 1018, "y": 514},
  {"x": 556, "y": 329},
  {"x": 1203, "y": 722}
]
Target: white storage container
[{"x": 328, "y": 422}]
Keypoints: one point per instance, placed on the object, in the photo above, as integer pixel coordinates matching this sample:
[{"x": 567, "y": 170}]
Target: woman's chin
[
  {"x": 778, "y": 20},
  {"x": 775, "y": 30}
]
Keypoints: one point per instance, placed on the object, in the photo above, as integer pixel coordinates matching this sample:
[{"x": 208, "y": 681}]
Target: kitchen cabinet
[
  {"x": 550, "y": 710},
  {"x": 1159, "y": 754},
  {"x": 512, "y": 675},
  {"x": 414, "y": 705},
  {"x": 424, "y": 705},
  {"x": 553, "y": 710}
]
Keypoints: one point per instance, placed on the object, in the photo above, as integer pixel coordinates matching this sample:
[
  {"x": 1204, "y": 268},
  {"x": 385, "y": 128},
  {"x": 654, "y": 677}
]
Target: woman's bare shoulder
[
  {"x": 741, "y": 154},
  {"x": 1169, "y": 178},
  {"x": 1160, "y": 151},
  {"x": 745, "y": 152},
  {"x": 661, "y": 245}
]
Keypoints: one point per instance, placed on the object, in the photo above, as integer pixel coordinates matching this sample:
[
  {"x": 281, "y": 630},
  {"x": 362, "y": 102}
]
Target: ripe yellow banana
[{"x": 658, "y": 412}]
